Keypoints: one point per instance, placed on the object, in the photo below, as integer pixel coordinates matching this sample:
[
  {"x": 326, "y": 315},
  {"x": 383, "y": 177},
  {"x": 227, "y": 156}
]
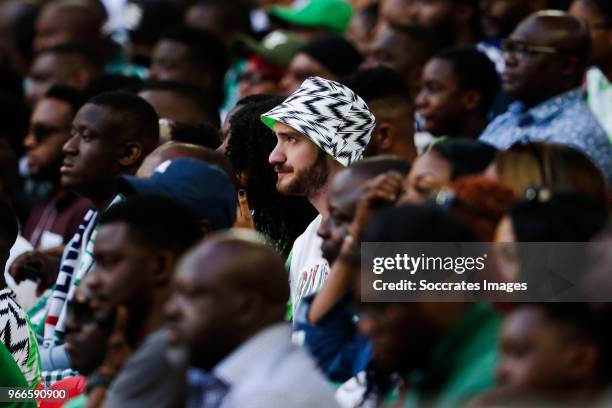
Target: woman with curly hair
[{"x": 249, "y": 143}]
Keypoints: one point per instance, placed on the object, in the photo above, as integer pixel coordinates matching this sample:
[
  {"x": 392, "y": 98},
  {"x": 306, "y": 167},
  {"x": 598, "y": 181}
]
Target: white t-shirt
[{"x": 308, "y": 270}]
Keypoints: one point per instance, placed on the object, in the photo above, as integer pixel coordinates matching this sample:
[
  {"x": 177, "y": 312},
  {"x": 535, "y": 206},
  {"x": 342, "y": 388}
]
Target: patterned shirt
[
  {"x": 308, "y": 270},
  {"x": 77, "y": 261},
  {"x": 600, "y": 98},
  {"x": 18, "y": 337},
  {"x": 564, "y": 119}
]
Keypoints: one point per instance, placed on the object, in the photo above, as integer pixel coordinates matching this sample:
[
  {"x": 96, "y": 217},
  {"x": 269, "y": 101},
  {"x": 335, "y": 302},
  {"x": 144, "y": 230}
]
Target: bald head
[
  {"x": 228, "y": 289},
  {"x": 556, "y": 29},
  {"x": 174, "y": 150},
  {"x": 242, "y": 261},
  {"x": 350, "y": 182},
  {"x": 64, "y": 21},
  {"x": 546, "y": 55}
]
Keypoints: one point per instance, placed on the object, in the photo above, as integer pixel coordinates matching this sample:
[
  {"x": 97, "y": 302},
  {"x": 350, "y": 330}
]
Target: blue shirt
[
  {"x": 338, "y": 348},
  {"x": 265, "y": 371},
  {"x": 564, "y": 119}
]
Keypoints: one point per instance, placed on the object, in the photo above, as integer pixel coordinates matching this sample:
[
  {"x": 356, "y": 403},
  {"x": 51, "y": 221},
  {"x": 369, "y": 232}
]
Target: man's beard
[
  {"x": 309, "y": 180},
  {"x": 50, "y": 173}
]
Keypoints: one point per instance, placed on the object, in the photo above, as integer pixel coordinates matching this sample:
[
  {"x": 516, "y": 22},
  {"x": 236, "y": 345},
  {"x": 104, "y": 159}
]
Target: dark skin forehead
[
  {"x": 346, "y": 189},
  {"x": 105, "y": 122},
  {"x": 216, "y": 263},
  {"x": 552, "y": 29}
]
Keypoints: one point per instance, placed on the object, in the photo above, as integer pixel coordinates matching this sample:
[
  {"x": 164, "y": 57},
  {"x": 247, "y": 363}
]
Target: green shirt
[
  {"x": 464, "y": 361},
  {"x": 77, "y": 402},
  {"x": 11, "y": 376}
]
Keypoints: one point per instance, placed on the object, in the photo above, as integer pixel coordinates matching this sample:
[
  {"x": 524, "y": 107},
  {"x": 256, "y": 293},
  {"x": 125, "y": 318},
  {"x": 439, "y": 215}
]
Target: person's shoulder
[
  {"x": 295, "y": 382},
  {"x": 297, "y": 369},
  {"x": 579, "y": 115},
  {"x": 311, "y": 228},
  {"x": 147, "y": 368},
  {"x": 305, "y": 238},
  {"x": 500, "y": 121}
]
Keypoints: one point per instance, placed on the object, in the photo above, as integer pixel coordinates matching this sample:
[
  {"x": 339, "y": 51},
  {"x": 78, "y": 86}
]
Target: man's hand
[
  {"x": 244, "y": 219},
  {"x": 384, "y": 189},
  {"x": 118, "y": 350},
  {"x": 37, "y": 266}
]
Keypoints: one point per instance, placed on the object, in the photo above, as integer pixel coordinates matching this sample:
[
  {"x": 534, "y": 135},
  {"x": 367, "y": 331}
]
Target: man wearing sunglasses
[
  {"x": 54, "y": 220},
  {"x": 546, "y": 57}
]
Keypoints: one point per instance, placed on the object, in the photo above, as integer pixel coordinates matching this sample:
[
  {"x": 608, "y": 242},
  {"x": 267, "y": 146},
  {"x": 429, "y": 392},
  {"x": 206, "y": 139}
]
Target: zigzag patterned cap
[{"x": 330, "y": 114}]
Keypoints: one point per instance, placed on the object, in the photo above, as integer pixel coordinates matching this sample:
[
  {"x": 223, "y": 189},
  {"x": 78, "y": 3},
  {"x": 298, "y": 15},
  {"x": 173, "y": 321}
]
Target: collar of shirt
[
  {"x": 235, "y": 366},
  {"x": 548, "y": 108}
]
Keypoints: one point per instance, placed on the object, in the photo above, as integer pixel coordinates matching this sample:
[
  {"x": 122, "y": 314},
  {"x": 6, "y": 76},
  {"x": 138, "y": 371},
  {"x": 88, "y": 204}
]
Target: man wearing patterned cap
[{"x": 320, "y": 128}]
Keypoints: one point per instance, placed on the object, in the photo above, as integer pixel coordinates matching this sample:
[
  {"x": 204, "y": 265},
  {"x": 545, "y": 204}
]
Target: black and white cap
[{"x": 330, "y": 114}]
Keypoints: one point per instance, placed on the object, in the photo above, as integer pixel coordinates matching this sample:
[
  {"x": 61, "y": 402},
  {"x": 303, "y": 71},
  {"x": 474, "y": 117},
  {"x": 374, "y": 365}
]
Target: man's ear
[
  {"x": 131, "y": 153},
  {"x": 165, "y": 261},
  {"x": 249, "y": 308},
  {"x": 205, "y": 227},
  {"x": 472, "y": 99},
  {"x": 569, "y": 66},
  {"x": 583, "y": 359},
  {"x": 384, "y": 137},
  {"x": 82, "y": 77}
]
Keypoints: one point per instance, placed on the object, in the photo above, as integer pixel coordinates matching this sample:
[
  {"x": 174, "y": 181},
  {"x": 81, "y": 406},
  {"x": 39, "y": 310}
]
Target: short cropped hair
[
  {"x": 380, "y": 83},
  {"x": 71, "y": 96},
  {"x": 473, "y": 71},
  {"x": 157, "y": 221},
  {"x": 204, "y": 101},
  {"x": 208, "y": 52},
  {"x": 137, "y": 114}
]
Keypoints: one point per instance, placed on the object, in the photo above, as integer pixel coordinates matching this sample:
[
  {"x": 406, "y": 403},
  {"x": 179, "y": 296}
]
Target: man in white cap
[{"x": 321, "y": 128}]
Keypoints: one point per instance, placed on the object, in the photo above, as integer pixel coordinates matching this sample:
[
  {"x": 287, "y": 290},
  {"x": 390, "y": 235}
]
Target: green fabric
[
  {"x": 38, "y": 313},
  {"x": 466, "y": 358},
  {"x": 334, "y": 15},
  {"x": 77, "y": 402},
  {"x": 231, "y": 87},
  {"x": 33, "y": 359},
  {"x": 11, "y": 376},
  {"x": 277, "y": 48}
]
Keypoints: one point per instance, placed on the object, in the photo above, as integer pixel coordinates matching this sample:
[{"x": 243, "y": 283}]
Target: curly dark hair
[{"x": 282, "y": 218}]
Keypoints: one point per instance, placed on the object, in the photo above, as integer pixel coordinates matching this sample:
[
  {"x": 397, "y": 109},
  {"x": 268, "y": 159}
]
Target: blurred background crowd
[{"x": 185, "y": 184}]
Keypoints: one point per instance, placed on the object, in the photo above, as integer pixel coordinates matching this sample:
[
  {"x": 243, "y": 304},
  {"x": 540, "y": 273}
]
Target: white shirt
[
  {"x": 26, "y": 290},
  {"x": 308, "y": 270},
  {"x": 268, "y": 371}
]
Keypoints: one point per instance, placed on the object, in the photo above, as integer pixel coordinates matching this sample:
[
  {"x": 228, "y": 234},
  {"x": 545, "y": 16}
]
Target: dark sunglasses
[{"x": 42, "y": 132}]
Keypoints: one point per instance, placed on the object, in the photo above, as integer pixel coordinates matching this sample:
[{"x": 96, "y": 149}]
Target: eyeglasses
[
  {"x": 42, "y": 132},
  {"x": 525, "y": 50}
]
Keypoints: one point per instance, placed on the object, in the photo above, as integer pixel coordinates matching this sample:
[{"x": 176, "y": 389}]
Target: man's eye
[
  {"x": 86, "y": 136},
  {"x": 105, "y": 260},
  {"x": 432, "y": 87}
]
